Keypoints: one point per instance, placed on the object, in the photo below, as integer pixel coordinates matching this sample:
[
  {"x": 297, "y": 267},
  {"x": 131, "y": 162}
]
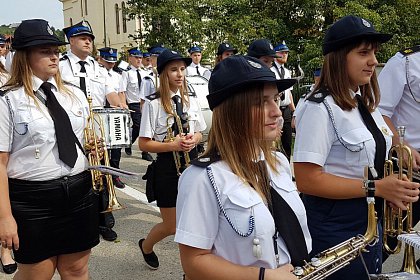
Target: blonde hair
[
  {"x": 21, "y": 75},
  {"x": 335, "y": 77},
  {"x": 237, "y": 134},
  {"x": 165, "y": 91}
]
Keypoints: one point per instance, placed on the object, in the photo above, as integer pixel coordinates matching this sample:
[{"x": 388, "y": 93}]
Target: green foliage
[{"x": 179, "y": 24}]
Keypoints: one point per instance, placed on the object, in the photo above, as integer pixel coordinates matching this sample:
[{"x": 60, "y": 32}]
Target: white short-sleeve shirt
[
  {"x": 130, "y": 84},
  {"x": 396, "y": 101},
  {"x": 201, "y": 224},
  {"x": 316, "y": 141},
  {"x": 26, "y": 128},
  {"x": 154, "y": 122},
  {"x": 287, "y": 75},
  {"x": 98, "y": 84}
]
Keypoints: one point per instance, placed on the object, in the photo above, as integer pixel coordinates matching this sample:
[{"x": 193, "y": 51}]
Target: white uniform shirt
[
  {"x": 396, "y": 102},
  {"x": 32, "y": 128},
  {"x": 192, "y": 69},
  {"x": 115, "y": 79},
  {"x": 287, "y": 75},
  {"x": 98, "y": 85},
  {"x": 201, "y": 224},
  {"x": 153, "y": 118},
  {"x": 130, "y": 85},
  {"x": 316, "y": 141},
  {"x": 147, "y": 83}
]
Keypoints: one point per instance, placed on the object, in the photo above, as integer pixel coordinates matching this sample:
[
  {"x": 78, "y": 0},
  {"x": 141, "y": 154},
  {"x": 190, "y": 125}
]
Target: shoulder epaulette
[
  {"x": 3, "y": 92},
  {"x": 410, "y": 50},
  {"x": 205, "y": 161},
  {"x": 64, "y": 57},
  {"x": 153, "y": 96},
  {"x": 148, "y": 78},
  {"x": 319, "y": 95},
  {"x": 100, "y": 65}
]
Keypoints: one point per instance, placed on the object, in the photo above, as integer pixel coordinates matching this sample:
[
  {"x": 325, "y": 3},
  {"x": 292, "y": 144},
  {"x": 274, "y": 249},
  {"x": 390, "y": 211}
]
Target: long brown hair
[
  {"x": 237, "y": 132},
  {"x": 165, "y": 91},
  {"x": 21, "y": 74},
  {"x": 335, "y": 77}
]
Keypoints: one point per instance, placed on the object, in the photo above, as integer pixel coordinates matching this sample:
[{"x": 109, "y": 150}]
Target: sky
[{"x": 18, "y": 10}]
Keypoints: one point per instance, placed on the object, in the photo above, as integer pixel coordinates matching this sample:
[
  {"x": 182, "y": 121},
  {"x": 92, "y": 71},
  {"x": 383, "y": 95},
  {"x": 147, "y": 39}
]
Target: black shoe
[
  {"x": 118, "y": 183},
  {"x": 108, "y": 219},
  {"x": 146, "y": 156},
  {"x": 107, "y": 234},
  {"x": 128, "y": 151},
  {"x": 151, "y": 259},
  {"x": 8, "y": 268}
]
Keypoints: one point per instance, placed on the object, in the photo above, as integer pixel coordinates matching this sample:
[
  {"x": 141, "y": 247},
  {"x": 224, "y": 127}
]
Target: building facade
[{"x": 107, "y": 18}]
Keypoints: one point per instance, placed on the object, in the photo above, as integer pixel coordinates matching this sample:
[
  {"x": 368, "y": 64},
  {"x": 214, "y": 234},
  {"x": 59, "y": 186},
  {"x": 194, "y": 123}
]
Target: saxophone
[{"x": 337, "y": 257}]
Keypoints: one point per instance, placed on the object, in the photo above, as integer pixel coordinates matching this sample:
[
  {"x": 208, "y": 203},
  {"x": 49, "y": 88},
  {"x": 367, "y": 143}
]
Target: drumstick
[{"x": 113, "y": 106}]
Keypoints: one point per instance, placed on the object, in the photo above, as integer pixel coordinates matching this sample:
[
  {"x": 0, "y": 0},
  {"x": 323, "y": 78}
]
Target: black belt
[{"x": 283, "y": 107}]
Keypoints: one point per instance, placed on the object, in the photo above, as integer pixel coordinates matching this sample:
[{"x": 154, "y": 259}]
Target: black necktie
[
  {"x": 198, "y": 72},
  {"x": 281, "y": 72},
  {"x": 287, "y": 224},
  {"x": 138, "y": 78},
  {"x": 82, "y": 79},
  {"x": 179, "y": 111},
  {"x": 63, "y": 131},
  {"x": 371, "y": 125}
]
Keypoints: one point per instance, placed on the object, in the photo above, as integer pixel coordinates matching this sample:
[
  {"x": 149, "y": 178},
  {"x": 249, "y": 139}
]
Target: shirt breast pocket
[
  {"x": 355, "y": 142},
  {"x": 239, "y": 207},
  {"x": 133, "y": 82}
]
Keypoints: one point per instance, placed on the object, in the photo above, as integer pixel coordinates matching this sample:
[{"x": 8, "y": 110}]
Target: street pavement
[{"x": 122, "y": 259}]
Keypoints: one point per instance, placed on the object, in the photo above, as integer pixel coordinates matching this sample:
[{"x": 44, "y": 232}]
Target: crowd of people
[{"x": 234, "y": 206}]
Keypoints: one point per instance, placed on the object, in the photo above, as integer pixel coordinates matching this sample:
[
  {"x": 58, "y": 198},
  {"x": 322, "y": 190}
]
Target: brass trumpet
[
  {"x": 170, "y": 138},
  {"x": 398, "y": 221},
  {"x": 95, "y": 123}
]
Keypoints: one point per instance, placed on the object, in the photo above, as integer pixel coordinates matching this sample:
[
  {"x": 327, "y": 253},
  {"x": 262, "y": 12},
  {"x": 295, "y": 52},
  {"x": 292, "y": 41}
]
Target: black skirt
[
  {"x": 166, "y": 178},
  {"x": 54, "y": 217}
]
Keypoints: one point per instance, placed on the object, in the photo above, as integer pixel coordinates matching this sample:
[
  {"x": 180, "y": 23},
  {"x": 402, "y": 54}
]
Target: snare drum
[
  {"x": 116, "y": 126},
  {"x": 198, "y": 87}
]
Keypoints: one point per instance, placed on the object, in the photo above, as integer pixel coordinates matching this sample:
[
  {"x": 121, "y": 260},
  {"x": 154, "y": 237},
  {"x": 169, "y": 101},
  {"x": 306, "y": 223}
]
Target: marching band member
[
  {"x": 263, "y": 50},
  {"x": 108, "y": 58},
  {"x": 8, "y": 264},
  {"x": 228, "y": 203},
  {"x": 339, "y": 132},
  {"x": 287, "y": 105},
  {"x": 51, "y": 218},
  {"x": 3, "y": 50},
  {"x": 155, "y": 51},
  {"x": 195, "y": 67},
  {"x": 79, "y": 68},
  {"x": 146, "y": 61},
  {"x": 224, "y": 51},
  {"x": 171, "y": 99},
  {"x": 130, "y": 86}
]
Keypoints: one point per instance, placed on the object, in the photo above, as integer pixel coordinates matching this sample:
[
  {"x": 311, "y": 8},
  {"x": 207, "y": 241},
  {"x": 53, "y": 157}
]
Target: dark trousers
[
  {"x": 136, "y": 118},
  {"x": 286, "y": 137}
]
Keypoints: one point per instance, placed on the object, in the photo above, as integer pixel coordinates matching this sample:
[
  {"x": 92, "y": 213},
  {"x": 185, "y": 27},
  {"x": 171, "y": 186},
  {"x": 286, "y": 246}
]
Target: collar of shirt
[
  {"x": 175, "y": 93},
  {"x": 278, "y": 64},
  {"x": 76, "y": 59},
  {"x": 194, "y": 65},
  {"x": 353, "y": 94},
  {"x": 134, "y": 68},
  {"x": 37, "y": 82}
]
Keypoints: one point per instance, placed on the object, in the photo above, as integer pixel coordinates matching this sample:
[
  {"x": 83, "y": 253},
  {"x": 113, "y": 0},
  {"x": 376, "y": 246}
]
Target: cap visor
[{"x": 284, "y": 84}]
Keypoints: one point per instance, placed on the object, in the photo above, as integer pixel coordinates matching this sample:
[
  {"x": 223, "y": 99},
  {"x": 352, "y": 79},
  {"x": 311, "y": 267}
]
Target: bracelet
[{"x": 262, "y": 273}]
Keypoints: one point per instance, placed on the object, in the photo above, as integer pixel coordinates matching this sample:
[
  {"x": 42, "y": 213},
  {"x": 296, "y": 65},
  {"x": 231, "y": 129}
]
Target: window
[
  {"x": 117, "y": 18},
  {"x": 124, "y": 17},
  {"x": 86, "y": 7},
  {"x": 81, "y": 7},
  {"x": 71, "y": 21}
]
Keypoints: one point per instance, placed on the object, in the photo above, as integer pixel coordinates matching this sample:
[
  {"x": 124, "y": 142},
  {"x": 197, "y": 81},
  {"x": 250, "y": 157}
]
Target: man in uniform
[
  {"x": 3, "y": 50},
  {"x": 287, "y": 106},
  {"x": 195, "y": 67},
  {"x": 79, "y": 68},
  {"x": 108, "y": 58},
  {"x": 130, "y": 87},
  {"x": 399, "y": 83},
  {"x": 263, "y": 50}
]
